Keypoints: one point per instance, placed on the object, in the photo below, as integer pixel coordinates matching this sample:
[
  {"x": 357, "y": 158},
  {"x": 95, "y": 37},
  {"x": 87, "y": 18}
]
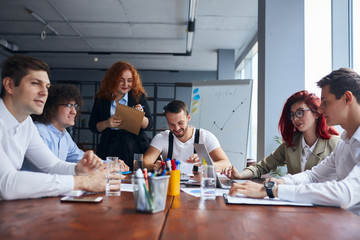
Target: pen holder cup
[
  {"x": 150, "y": 200},
  {"x": 174, "y": 183}
]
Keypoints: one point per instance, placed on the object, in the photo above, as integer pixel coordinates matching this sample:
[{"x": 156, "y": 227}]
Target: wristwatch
[{"x": 269, "y": 187}]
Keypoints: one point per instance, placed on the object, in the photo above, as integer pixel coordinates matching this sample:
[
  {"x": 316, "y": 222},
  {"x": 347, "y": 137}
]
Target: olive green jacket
[{"x": 291, "y": 156}]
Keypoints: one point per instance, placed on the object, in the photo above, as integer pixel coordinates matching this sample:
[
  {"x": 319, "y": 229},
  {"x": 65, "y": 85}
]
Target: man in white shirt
[
  {"x": 183, "y": 138},
  {"x": 336, "y": 180},
  {"x": 24, "y": 91}
]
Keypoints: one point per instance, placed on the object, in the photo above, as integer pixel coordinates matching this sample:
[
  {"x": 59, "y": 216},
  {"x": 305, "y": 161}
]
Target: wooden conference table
[{"x": 185, "y": 217}]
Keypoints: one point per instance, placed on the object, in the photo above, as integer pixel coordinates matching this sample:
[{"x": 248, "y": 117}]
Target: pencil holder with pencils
[
  {"x": 151, "y": 198},
  {"x": 174, "y": 183}
]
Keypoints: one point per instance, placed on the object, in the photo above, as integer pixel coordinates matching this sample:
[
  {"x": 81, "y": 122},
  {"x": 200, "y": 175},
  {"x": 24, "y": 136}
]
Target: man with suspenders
[{"x": 178, "y": 142}]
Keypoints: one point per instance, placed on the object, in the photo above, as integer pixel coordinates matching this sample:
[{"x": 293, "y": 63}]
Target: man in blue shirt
[{"x": 63, "y": 103}]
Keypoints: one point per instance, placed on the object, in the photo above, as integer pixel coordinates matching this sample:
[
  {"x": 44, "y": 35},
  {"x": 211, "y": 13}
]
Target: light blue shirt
[
  {"x": 123, "y": 101},
  {"x": 60, "y": 143}
]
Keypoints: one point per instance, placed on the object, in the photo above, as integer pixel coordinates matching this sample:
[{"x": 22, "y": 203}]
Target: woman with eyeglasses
[
  {"x": 307, "y": 140},
  {"x": 120, "y": 85}
]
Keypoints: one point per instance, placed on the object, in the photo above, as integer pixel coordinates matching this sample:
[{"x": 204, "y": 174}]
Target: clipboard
[{"x": 131, "y": 118}]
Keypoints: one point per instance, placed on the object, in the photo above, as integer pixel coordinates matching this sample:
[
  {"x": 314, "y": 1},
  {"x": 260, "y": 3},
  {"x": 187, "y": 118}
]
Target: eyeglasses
[
  {"x": 298, "y": 113},
  {"x": 70, "y": 105}
]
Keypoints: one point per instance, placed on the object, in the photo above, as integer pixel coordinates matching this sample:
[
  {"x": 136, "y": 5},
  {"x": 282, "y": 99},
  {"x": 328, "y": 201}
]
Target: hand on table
[
  {"x": 277, "y": 180},
  {"x": 231, "y": 172},
  {"x": 89, "y": 162},
  {"x": 124, "y": 167},
  {"x": 249, "y": 189}
]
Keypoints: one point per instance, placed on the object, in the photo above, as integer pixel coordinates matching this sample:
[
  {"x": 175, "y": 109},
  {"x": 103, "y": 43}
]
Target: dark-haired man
[
  {"x": 336, "y": 180},
  {"x": 25, "y": 84},
  {"x": 183, "y": 138},
  {"x": 61, "y": 108}
]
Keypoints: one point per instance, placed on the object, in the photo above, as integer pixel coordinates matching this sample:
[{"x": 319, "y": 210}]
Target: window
[
  {"x": 248, "y": 69},
  {"x": 356, "y": 35},
  {"x": 317, "y": 43}
]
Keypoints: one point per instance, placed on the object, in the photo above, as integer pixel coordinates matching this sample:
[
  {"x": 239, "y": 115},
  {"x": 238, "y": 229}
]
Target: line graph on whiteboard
[
  {"x": 223, "y": 108},
  {"x": 215, "y": 124}
]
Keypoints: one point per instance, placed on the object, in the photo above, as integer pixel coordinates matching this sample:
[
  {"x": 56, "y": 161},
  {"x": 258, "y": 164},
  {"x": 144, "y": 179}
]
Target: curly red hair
[
  {"x": 111, "y": 80},
  {"x": 287, "y": 128}
]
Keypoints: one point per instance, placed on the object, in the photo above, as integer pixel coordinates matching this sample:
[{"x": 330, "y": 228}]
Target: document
[
  {"x": 196, "y": 192},
  {"x": 131, "y": 118},
  {"x": 242, "y": 199},
  {"x": 126, "y": 187}
]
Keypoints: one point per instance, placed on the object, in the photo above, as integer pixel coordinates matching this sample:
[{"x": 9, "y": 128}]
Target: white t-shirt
[
  {"x": 335, "y": 181},
  {"x": 18, "y": 140},
  {"x": 182, "y": 151}
]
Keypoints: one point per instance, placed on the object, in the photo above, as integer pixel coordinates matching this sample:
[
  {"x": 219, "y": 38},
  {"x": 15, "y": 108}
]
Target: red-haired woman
[
  {"x": 307, "y": 139},
  {"x": 121, "y": 84}
]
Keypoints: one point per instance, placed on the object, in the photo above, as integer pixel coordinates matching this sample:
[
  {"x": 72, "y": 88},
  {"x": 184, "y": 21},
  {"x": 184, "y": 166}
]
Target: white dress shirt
[
  {"x": 306, "y": 152},
  {"x": 18, "y": 140},
  {"x": 334, "y": 182}
]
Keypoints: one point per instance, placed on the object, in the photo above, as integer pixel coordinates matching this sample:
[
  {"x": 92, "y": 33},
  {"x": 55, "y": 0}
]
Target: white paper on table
[
  {"x": 127, "y": 187},
  {"x": 242, "y": 199},
  {"x": 186, "y": 168},
  {"x": 196, "y": 192}
]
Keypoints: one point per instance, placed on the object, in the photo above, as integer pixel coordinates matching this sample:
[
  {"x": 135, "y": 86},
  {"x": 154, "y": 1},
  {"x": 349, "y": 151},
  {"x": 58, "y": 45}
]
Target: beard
[{"x": 182, "y": 133}]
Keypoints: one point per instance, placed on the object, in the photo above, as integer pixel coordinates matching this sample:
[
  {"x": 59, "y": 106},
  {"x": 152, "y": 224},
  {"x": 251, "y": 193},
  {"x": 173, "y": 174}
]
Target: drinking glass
[
  {"x": 138, "y": 161},
  {"x": 208, "y": 182},
  {"x": 113, "y": 176}
]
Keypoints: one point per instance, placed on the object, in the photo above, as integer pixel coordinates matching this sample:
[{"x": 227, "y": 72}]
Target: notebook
[{"x": 221, "y": 182}]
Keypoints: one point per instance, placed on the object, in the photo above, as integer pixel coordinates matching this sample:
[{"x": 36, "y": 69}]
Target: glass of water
[
  {"x": 208, "y": 182},
  {"x": 138, "y": 162},
  {"x": 113, "y": 176}
]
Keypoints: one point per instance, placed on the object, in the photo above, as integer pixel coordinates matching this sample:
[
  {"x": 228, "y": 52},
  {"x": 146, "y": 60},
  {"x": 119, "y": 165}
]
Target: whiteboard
[{"x": 223, "y": 108}]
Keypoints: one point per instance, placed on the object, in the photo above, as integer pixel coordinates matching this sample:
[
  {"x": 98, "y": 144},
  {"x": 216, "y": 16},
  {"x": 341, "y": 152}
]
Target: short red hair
[{"x": 287, "y": 128}]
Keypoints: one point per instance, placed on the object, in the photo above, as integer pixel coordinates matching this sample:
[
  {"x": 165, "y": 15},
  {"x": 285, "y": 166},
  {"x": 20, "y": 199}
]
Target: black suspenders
[{"x": 171, "y": 142}]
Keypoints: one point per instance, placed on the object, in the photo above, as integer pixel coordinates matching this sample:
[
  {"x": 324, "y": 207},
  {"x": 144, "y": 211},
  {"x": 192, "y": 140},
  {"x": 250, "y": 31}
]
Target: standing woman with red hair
[
  {"x": 121, "y": 84},
  {"x": 307, "y": 140}
]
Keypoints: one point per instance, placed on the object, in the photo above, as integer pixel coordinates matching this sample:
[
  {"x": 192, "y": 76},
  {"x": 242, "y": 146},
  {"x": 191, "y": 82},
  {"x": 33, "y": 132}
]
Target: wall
[{"x": 281, "y": 54}]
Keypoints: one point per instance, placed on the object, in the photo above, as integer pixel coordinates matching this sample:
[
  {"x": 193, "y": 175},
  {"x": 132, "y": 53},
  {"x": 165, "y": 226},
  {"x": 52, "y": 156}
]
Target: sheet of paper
[
  {"x": 186, "y": 168},
  {"x": 127, "y": 187},
  {"x": 242, "y": 199},
  {"x": 196, "y": 192}
]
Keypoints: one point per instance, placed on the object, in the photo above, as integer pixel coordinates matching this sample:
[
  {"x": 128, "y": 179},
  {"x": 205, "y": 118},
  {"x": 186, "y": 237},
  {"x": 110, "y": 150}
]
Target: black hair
[
  {"x": 342, "y": 80},
  {"x": 58, "y": 94},
  {"x": 176, "y": 106}
]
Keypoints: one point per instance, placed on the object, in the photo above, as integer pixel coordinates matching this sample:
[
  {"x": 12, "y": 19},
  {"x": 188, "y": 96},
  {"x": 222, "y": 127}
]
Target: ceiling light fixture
[
  {"x": 46, "y": 24},
  {"x": 8, "y": 46},
  {"x": 193, "y": 5}
]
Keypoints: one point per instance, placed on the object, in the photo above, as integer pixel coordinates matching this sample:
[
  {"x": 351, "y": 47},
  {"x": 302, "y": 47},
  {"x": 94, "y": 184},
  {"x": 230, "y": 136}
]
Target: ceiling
[{"x": 150, "y": 34}]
